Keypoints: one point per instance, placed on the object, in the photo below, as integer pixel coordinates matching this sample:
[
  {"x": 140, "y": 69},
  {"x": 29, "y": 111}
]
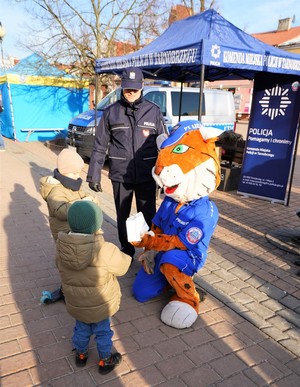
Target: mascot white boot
[{"x": 188, "y": 170}]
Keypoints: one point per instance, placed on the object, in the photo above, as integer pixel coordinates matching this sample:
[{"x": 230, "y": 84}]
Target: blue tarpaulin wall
[{"x": 36, "y": 95}]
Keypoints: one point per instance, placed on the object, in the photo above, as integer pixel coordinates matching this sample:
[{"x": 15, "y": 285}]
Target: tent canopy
[
  {"x": 204, "y": 39},
  {"x": 39, "y": 99},
  {"x": 37, "y": 71},
  {"x": 36, "y": 65}
]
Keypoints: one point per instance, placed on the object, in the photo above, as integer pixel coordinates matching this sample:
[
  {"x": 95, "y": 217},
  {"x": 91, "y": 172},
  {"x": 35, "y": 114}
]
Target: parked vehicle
[{"x": 217, "y": 110}]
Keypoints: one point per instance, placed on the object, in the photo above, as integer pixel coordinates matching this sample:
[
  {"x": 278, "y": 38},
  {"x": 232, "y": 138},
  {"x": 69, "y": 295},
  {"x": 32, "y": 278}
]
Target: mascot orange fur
[{"x": 188, "y": 170}]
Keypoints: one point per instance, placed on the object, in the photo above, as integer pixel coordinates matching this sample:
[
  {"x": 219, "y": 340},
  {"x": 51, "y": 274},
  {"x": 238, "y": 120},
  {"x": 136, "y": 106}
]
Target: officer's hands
[{"x": 95, "y": 187}]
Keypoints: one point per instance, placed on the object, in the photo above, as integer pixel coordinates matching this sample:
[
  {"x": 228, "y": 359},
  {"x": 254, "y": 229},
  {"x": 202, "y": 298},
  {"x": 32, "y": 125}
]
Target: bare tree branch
[{"x": 77, "y": 35}]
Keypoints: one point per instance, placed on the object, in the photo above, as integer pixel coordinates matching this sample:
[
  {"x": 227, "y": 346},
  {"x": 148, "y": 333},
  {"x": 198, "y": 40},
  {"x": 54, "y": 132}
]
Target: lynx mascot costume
[{"x": 188, "y": 170}]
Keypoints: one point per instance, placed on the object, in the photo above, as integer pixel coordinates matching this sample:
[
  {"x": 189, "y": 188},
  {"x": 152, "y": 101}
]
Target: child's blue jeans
[{"x": 103, "y": 337}]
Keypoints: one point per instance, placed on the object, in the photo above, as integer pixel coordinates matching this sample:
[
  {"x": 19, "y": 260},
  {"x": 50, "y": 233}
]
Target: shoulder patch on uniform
[{"x": 193, "y": 235}]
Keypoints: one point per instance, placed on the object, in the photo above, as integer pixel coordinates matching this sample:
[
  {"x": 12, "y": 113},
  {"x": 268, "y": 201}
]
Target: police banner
[{"x": 271, "y": 137}]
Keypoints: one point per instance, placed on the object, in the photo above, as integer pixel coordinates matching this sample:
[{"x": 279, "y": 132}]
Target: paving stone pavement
[{"x": 247, "y": 332}]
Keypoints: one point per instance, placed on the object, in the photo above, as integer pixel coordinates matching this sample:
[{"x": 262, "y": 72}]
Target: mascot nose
[{"x": 158, "y": 170}]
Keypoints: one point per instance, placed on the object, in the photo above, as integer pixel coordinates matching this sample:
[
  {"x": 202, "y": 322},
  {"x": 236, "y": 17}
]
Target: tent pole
[
  {"x": 201, "y": 92},
  {"x": 12, "y": 112},
  {"x": 180, "y": 100}
]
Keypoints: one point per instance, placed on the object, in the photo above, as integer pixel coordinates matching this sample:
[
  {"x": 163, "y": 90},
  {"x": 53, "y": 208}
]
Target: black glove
[{"x": 95, "y": 187}]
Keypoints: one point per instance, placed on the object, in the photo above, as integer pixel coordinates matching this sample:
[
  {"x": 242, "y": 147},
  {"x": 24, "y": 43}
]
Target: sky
[{"x": 249, "y": 15}]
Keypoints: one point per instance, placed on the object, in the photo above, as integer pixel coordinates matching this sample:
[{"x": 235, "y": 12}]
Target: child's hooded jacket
[
  {"x": 59, "y": 198},
  {"x": 88, "y": 267}
]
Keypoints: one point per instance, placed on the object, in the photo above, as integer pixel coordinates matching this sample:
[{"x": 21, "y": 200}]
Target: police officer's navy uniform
[{"x": 129, "y": 131}]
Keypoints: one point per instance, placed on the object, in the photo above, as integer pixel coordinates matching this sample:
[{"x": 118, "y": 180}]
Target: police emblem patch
[
  {"x": 193, "y": 235},
  {"x": 132, "y": 75}
]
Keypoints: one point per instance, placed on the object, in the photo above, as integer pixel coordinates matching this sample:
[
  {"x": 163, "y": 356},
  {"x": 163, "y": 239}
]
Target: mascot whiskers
[{"x": 188, "y": 170}]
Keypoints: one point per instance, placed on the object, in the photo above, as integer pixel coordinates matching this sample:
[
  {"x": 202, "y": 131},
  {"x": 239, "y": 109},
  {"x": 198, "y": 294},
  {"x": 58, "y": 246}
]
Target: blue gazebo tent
[
  {"x": 204, "y": 45},
  {"x": 39, "y": 100}
]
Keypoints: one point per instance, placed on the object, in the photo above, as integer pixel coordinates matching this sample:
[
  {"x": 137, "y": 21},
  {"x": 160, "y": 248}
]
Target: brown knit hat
[{"x": 69, "y": 161}]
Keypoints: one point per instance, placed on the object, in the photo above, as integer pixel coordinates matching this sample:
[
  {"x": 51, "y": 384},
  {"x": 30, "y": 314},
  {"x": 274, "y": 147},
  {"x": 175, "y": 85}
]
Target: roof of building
[
  {"x": 179, "y": 12},
  {"x": 279, "y": 38}
]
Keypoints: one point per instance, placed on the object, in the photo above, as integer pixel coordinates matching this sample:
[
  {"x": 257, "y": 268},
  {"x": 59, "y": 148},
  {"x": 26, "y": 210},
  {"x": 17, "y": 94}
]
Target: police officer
[{"x": 128, "y": 129}]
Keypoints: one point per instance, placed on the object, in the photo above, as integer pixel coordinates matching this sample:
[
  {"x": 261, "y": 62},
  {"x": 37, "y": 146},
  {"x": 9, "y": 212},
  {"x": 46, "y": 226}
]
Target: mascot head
[{"x": 187, "y": 167}]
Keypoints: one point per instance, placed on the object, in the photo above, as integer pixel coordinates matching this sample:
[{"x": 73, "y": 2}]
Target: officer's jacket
[{"x": 128, "y": 131}]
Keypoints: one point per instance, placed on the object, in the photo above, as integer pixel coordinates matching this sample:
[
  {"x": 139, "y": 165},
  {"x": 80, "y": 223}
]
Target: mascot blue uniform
[{"x": 188, "y": 170}]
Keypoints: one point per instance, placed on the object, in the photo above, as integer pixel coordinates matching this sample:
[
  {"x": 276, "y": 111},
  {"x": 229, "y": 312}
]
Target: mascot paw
[{"x": 178, "y": 315}]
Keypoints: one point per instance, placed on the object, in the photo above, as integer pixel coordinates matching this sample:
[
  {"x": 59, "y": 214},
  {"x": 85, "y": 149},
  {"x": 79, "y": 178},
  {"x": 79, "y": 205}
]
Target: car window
[
  {"x": 217, "y": 104},
  {"x": 189, "y": 105},
  {"x": 158, "y": 97},
  {"x": 112, "y": 97}
]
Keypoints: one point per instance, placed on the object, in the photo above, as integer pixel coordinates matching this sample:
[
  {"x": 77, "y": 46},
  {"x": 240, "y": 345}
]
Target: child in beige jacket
[
  {"x": 89, "y": 267},
  {"x": 60, "y": 191}
]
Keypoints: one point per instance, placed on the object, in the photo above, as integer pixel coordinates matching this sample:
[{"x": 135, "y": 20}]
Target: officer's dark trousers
[{"x": 145, "y": 196}]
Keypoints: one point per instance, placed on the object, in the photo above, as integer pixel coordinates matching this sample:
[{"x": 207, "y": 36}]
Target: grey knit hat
[{"x": 85, "y": 217}]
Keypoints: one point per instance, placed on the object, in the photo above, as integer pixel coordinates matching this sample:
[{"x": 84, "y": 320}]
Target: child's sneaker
[
  {"x": 108, "y": 364},
  {"x": 81, "y": 359}
]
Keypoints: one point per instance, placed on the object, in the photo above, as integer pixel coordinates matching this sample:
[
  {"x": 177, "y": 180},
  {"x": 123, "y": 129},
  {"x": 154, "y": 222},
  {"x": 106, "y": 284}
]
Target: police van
[{"x": 217, "y": 110}]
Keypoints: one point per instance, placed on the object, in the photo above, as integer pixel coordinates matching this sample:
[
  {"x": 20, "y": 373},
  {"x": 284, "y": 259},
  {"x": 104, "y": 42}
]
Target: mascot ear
[
  {"x": 229, "y": 137},
  {"x": 160, "y": 139},
  {"x": 210, "y": 133}
]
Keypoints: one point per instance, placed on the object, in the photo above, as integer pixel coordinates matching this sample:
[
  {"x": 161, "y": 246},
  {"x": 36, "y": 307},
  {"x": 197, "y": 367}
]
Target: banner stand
[{"x": 272, "y": 138}]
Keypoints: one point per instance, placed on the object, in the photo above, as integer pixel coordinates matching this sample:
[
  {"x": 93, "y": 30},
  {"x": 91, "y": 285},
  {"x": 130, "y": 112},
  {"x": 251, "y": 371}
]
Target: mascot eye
[{"x": 181, "y": 148}]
